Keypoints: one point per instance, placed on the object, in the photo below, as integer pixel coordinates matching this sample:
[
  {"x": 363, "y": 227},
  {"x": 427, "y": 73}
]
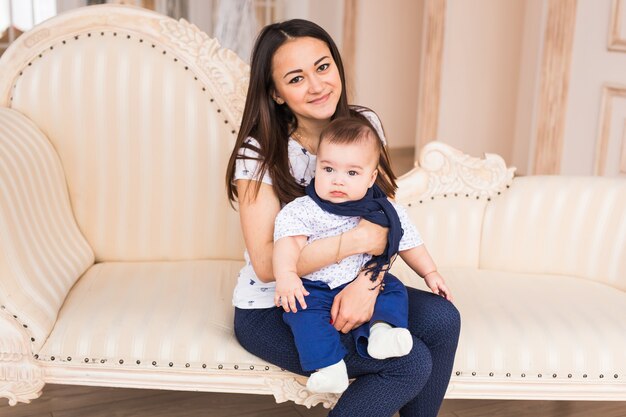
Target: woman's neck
[{"x": 308, "y": 135}]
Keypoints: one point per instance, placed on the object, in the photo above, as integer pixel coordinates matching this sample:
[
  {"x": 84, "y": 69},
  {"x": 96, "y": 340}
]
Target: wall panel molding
[
  {"x": 430, "y": 83},
  {"x": 617, "y": 28},
  {"x": 555, "y": 76},
  {"x": 608, "y": 113}
]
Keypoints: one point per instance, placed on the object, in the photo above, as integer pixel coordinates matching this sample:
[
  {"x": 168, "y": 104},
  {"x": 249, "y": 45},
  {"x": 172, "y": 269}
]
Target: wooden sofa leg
[
  {"x": 291, "y": 389},
  {"x": 21, "y": 379}
]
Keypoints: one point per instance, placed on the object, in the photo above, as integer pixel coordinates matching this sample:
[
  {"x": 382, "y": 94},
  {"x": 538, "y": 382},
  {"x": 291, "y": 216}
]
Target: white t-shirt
[
  {"x": 250, "y": 291},
  {"x": 304, "y": 217}
]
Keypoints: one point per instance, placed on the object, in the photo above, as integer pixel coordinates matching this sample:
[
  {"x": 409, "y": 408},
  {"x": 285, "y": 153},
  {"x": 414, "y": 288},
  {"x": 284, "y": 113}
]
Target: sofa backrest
[
  {"x": 42, "y": 252},
  {"x": 446, "y": 198},
  {"x": 143, "y": 111},
  {"x": 559, "y": 225}
]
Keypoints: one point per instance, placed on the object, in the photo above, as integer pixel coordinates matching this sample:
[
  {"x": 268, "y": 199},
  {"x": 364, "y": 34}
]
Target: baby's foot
[
  {"x": 333, "y": 378},
  {"x": 388, "y": 342}
]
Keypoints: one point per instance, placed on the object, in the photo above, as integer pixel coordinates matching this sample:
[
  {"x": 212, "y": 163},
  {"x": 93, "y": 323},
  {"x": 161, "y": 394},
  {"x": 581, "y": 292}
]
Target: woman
[{"x": 297, "y": 86}]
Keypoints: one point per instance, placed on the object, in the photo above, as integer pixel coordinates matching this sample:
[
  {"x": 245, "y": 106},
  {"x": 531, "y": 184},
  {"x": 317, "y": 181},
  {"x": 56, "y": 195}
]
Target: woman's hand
[
  {"x": 354, "y": 305},
  {"x": 437, "y": 285},
  {"x": 371, "y": 237}
]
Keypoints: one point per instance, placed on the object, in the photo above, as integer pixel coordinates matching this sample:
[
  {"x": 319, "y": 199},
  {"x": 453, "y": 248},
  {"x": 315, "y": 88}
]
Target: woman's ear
[{"x": 277, "y": 99}]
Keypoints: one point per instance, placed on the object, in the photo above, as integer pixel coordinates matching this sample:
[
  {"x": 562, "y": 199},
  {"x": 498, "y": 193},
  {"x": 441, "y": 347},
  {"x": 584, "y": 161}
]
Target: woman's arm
[
  {"x": 367, "y": 238},
  {"x": 257, "y": 217}
]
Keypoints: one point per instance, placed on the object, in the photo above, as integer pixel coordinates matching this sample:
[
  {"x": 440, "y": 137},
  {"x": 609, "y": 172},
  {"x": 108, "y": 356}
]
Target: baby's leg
[
  {"x": 318, "y": 342},
  {"x": 333, "y": 378},
  {"x": 389, "y": 336}
]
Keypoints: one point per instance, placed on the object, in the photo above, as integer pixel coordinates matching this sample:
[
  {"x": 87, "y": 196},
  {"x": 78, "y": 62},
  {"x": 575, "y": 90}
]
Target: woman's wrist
[{"x": 349, "y": 244}]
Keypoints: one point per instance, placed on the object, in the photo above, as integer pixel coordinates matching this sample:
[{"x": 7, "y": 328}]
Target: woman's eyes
[
  {"x": 323, "y": 67},
  {"x": 299, "y": 78}
]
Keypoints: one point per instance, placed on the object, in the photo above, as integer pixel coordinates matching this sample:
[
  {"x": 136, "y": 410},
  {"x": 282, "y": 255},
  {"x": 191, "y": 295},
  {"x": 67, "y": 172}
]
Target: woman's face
[{"x": 307, "y": 79}]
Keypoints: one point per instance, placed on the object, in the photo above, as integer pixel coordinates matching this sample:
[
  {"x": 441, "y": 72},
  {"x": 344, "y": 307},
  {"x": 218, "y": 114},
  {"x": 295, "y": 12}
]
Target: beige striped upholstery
[
  {"x": 535, "y": 324},
  {"x": 42, "y": 252},
  {"x": 451, "y": 227},
  {"x": 177, "y": 312},
  {"x": 559, "y": 225},
  {"x": 144, "y": 147}
]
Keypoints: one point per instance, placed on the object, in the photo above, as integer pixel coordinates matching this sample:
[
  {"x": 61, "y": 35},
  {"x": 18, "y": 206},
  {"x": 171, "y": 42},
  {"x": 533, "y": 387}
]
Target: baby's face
[{"x": 344, "y": 172}]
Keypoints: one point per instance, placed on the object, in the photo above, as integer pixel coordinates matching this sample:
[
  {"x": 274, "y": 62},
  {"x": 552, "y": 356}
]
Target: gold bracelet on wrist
[{"x": 337, "y": 260}]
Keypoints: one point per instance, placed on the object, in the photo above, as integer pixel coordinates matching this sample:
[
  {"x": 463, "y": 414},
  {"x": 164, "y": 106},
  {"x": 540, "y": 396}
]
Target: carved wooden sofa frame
[{"x": 71, "y": 321}]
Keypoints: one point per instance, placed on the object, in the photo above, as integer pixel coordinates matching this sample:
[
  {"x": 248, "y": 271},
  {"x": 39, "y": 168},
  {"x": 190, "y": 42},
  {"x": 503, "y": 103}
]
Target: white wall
[
  {"x": 593, "y": 65},
  {"x": 387, "y": 65},
  {"x": 481, "y": 71}
]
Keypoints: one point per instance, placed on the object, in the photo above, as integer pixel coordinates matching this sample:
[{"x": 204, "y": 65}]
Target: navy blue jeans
[
  {"x": 413, "y": 384},
  {"x": 318, "y": 343}
]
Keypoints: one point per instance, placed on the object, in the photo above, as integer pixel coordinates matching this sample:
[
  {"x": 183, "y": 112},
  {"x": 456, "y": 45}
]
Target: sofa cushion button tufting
[
  {"x": 236, "y": 366},
  {"x": 138, "y": 362},
  {"x": 121, "y": 361},
  {"x": 220, "y": 366},
  {"x": 86, "y": 360},
  {"x": 569, "y": 375},
  {"x": 187, "y": 365},
  {"x": 171, "y": 364},
  {"x": 204, "y": 366}
]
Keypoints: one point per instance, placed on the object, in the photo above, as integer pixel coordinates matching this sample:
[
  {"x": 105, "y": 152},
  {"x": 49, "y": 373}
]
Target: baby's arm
[
  {"x": 289, "y": 285},
  {"x": 422, "y": 263}
]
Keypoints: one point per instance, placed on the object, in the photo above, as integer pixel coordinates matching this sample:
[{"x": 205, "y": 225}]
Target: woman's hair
[{"x": 272, "y": 124}]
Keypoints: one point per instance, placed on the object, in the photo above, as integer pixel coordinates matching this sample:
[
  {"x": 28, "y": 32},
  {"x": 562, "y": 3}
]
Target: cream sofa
[{"x": 119, "y": 251}]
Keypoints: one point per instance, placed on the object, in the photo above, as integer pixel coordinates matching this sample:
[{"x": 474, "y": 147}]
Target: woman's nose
[{"x": 315, "y": 84}]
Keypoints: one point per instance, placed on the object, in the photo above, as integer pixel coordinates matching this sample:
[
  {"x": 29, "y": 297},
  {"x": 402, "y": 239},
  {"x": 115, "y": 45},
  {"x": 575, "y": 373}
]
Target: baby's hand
[
  {"x": 437, "y": 285},
  {"x": 289, "y": 288}
]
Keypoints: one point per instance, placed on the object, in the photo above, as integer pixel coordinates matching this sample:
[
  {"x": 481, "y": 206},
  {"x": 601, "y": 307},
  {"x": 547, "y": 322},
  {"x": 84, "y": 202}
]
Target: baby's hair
[{"x": 353, "y": 129}]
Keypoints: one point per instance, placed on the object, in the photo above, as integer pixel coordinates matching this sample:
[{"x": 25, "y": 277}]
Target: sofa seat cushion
[
  {"x": 161, "y": 312},
  {"x": 538, "y": 326}
]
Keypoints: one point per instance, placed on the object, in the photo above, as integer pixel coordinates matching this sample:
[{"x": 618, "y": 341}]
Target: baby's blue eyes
[{"x": 328, "y": 169}]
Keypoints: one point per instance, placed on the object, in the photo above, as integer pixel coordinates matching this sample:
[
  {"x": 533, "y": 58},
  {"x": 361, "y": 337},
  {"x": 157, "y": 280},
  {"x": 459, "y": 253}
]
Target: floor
[{"x": 76, "y": 401}]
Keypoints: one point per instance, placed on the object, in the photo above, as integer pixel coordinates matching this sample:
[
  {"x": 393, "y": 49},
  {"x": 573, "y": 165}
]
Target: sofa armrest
[{"x": 42, "y": 251}]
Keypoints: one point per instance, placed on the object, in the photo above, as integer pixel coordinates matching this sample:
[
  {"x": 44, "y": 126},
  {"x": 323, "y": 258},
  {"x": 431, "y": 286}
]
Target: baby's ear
[{"x": 373, "y": 179}]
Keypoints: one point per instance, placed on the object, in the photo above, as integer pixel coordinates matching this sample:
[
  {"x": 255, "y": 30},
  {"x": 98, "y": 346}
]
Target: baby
[{"x": 342, "y": 193}]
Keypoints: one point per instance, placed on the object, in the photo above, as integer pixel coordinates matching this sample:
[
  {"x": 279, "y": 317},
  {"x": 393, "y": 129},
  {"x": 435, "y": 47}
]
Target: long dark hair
[{"x": 272, "y": 124}]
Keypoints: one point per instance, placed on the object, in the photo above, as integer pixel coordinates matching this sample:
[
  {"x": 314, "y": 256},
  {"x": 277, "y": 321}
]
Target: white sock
[
  {"x": 388, "y": 342},
  {"x": 333, "y": 378}
]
